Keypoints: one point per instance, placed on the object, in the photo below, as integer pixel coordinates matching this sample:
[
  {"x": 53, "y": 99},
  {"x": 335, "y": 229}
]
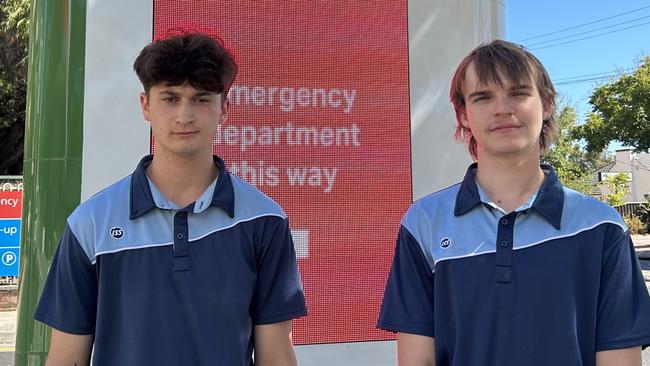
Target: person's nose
[
  {"x": 503, "y": 106},
  {"x": 185, "y": 113}
]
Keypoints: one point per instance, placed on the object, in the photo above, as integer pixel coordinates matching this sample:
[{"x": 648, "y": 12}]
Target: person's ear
[
  {"x": 144, "y": 106},
  {"x": 547, "y": 111},
  {"x": 225, "y": 109},
  {"x": 462, "y": 117}
]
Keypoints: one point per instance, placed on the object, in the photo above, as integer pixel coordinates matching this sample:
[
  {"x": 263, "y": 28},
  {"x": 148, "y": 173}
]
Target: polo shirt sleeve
[
  {"x": 408, "y": 299},
  {"x": 69, "y": 299},
  {"x": 278, "y": 292},
  {"x": 623, "y": 318}
]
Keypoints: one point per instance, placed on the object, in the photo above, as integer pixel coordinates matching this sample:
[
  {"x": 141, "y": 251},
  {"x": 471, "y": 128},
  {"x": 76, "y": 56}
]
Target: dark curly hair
[{"x": 198, "y": 59}]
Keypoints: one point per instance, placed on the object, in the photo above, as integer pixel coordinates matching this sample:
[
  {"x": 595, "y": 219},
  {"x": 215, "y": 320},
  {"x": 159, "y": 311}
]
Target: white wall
[
  {"x": 115, "y": 134},
  {"x": 441, "y": 33}
]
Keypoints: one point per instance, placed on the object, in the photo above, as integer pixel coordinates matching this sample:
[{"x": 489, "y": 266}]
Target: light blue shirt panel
[
  {"x": 579, "y": 213},
  {"x": 92, "y": 221},
  {"x": 431, "y": 221},
  {"x": 250, "y": 204}
]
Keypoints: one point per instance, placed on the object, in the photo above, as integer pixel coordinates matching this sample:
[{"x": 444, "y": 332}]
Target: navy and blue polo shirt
[
  {"x": 161, "y": 285},
  {"x": 551, "y": 283}
]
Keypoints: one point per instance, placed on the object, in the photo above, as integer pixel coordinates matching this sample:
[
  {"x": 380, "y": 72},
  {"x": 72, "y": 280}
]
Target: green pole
[{"x": 53, "y": 148}]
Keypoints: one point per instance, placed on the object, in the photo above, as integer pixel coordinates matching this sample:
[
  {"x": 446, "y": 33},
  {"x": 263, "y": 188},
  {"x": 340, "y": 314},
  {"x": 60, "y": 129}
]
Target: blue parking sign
[{"x": 9, "y": 259}]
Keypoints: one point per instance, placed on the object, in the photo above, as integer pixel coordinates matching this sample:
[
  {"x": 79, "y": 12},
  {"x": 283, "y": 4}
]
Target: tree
[
  {"x": 14, "y": 25},
  {"x": 574, "y": 166},
  {"x": 16, "y": 19},
  {"x": 618, "y": 186},
  {"x": 621, "y": 112}
]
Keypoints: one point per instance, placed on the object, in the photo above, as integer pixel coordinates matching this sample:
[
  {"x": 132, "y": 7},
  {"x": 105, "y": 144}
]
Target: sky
[{"x": 593, "y": 57}]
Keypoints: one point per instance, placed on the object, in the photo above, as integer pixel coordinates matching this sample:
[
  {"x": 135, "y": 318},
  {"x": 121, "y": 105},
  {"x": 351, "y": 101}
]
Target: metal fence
[{"x": 631, "y": 208}]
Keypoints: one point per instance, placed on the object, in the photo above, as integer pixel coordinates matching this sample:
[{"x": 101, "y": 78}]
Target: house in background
[{"x": 635, "y": 165}]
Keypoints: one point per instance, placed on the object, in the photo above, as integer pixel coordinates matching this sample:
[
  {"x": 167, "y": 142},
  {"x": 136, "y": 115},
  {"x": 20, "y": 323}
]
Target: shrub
[
  {"x": 635, "y": 224},
  {"x": 644, "y": 214}
]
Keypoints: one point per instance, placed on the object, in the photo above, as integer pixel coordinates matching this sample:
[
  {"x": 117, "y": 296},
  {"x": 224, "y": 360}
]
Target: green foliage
[
  {"x": 635, "y": 224},
  {"x": 618, "y": 186},
  {"x": 14, "y": 36},
  {"x": 574, "y": 165},
  {"x": 13, "y": 53},
  {"x": 16, "y": 18},
  {"x": 621, "y": 112},
  {"x": 14, "y": 26}
]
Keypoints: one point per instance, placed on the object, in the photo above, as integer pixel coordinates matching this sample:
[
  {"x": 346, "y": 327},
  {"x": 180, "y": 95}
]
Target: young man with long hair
[{"x": 508, "y": 267}]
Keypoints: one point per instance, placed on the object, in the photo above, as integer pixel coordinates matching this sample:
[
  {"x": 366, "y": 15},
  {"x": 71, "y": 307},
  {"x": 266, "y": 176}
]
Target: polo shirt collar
[
  {"x": 488, "y": 201},
  {"x": 468, "y": 196},
  {"x": 201, "y": 204},
  {"x": 548, "y": 202},
  {"x": 550, "y": 198},
  {"x": 142, "y": 200}
]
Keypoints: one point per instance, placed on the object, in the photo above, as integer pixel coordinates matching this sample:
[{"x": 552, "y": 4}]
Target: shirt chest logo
[
  {"x": 117, "y": 232},
  {"x": 445, "y": 242}
]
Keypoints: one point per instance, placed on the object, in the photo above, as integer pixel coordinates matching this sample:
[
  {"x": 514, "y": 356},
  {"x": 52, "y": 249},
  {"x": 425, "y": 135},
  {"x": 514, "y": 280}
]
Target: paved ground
[
  {"x": 8, "y": 318},
  {"x": 7, "y": 337},
  {"x": 7, "y": 358}
]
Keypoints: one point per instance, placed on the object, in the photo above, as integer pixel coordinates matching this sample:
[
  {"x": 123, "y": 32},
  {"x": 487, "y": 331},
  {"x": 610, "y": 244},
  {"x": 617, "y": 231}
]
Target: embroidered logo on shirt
[
  {"x": 445, "y": 242},
  {"x": 117, "y": 232}
]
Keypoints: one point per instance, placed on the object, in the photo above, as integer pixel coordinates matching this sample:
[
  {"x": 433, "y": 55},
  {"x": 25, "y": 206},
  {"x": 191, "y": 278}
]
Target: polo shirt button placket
[
  {"x": 181, "y": 242},
  {"x": 504, "y": 284},
  {"x": 504, "y": 249}
]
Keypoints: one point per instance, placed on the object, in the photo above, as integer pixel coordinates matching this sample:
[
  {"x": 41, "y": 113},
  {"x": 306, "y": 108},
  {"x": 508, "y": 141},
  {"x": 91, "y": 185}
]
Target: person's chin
[
  {"x": 508, "y": 149},
  {"x": 185, "y": 151}
]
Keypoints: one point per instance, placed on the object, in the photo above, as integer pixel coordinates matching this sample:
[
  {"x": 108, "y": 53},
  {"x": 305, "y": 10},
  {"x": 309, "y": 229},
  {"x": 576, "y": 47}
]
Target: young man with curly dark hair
[{"x": 180, "y": 263}]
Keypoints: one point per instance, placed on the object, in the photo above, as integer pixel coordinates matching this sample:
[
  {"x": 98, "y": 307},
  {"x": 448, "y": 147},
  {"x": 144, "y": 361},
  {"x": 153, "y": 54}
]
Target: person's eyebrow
[
  {"x": 169, "y": 92},
  {"x": 203, "y": 94},
  {"x": 521, "y": 87},
  {"x": 479, "y": 93}
]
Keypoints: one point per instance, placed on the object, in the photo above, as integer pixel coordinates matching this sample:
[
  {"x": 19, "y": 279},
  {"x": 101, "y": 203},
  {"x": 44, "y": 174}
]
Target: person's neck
[
  {"x": 182, "y": 179},
  {"x": 509, "y": 181}
]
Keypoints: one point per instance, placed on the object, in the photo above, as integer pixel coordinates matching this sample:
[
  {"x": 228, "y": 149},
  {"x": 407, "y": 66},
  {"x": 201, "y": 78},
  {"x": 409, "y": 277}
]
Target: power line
[
  {"x": 584, "y": 24},
  {"x": 581, "y": 79},
  {"x": 631, "y": 165},
  {"x": 594, "y": 36},
  {"x": 573, "y": 79},
  {"x": 599, "y": 170},
  {"x": 643, "y": 165},
  {"x": 584, "y": 80},
  {"x": 597, "y": 74},
  {"x": 587, "y": 32}
]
